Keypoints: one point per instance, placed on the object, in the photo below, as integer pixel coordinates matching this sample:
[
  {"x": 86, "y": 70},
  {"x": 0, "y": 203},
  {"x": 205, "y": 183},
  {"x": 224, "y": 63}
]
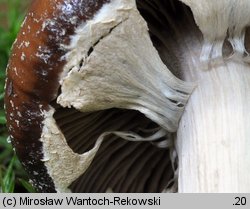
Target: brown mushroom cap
[
  {"x": 34, "y": 80},
  {"x": 33, "y": 76}
]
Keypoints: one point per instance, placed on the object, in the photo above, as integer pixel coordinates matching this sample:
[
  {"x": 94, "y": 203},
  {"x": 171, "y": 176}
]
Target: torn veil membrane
[{"x": 112, "y": 64}]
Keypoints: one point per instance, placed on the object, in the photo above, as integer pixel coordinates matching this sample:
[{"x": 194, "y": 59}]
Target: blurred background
[{"x": 12, "y": 177}]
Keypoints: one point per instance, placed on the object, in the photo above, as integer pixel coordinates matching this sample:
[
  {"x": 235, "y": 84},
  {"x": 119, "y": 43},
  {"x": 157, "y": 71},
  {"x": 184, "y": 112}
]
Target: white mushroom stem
[{"x": 213, "y": 139}]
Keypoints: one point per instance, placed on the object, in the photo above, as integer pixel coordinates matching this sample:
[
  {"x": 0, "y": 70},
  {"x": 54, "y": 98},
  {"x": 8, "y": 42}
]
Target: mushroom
[{"x": 96, "y": 93}]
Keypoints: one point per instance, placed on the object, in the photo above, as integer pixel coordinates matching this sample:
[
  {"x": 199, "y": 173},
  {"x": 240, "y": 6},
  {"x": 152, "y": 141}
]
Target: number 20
[{"x": 240, "y": 201}]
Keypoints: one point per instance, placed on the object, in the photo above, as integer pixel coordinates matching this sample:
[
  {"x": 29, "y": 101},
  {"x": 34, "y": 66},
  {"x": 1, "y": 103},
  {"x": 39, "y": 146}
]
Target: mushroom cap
[{"x": 62, "y": 47}]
